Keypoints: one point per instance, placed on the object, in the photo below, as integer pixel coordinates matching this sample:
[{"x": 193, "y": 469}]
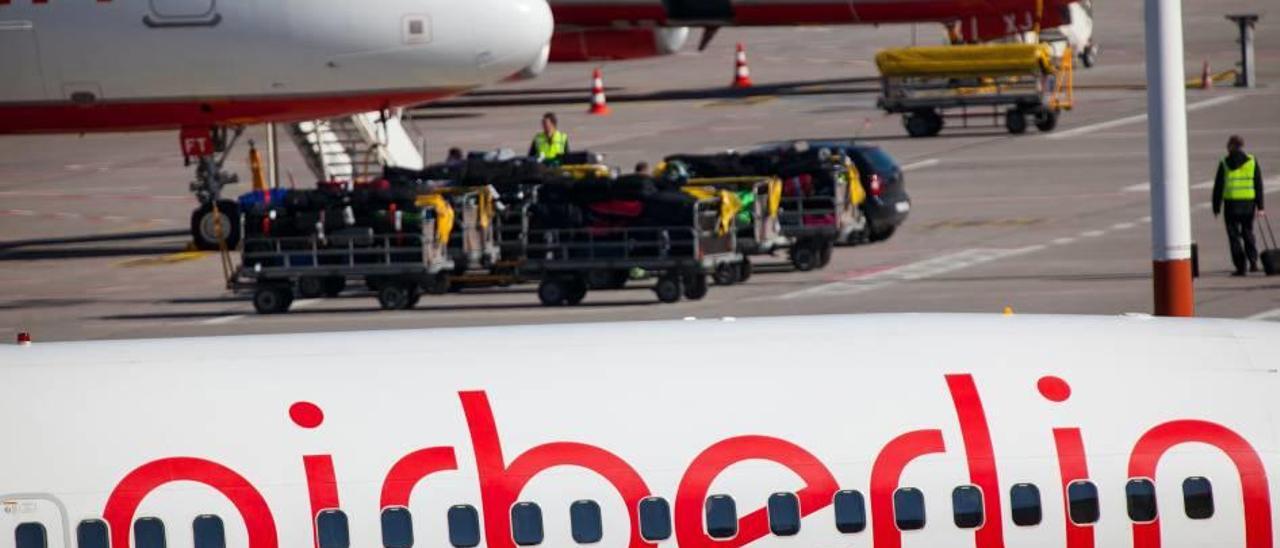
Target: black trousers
[{"x": 1239, "y": 217}]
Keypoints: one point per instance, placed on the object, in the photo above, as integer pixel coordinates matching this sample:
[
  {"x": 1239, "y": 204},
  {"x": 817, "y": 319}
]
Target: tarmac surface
[{"x": 93, "y": 228}]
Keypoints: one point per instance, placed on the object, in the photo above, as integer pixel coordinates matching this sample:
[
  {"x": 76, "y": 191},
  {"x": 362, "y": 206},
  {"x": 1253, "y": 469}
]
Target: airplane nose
[{"x": 511, "y": 35}]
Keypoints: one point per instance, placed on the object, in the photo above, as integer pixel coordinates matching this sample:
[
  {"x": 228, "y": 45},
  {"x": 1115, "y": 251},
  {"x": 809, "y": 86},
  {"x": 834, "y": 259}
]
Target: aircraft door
[
  {"x": 699, "y": 10},
  {"x": 32, "y": 521},
  {"x": 20, "y": 63},
  {"x": 183, "y": 13}
]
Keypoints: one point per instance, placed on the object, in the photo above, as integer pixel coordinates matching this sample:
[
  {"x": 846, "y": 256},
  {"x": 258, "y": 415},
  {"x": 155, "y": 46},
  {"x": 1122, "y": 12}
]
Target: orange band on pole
[{"x": 1174, "y": 292}]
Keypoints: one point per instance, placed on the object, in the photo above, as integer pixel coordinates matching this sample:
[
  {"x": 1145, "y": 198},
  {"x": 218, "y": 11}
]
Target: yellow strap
[
  {"x": 729, "y": 206},
  {"x": 255, "y": 166},
  {"x": 444, "y": 215},
  {"x": 775, "y": 196},
  {"x": 485, "y": 205},
  {"x": 856, "y": 194}
]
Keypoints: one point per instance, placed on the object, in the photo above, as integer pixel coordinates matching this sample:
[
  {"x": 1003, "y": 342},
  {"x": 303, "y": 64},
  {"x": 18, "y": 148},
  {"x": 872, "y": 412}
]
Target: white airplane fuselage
[
  {"x": 161, "y": 64},
  {"x": 267, "y": 432}
]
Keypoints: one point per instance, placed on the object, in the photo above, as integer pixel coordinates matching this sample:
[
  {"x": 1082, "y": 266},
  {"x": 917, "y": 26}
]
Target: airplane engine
[{"x": 614, "y": 44}]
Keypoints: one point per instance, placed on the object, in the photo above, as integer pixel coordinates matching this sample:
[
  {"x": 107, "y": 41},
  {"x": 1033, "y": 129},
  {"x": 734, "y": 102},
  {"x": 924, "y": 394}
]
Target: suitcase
[{"x": 1270, "y": 255}]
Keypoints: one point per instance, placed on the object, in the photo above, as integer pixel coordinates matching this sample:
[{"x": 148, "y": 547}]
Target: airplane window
[
  {"x": 92, "y": 533},
  {"x": 1024, "y": 500},
  {"x": 208, "y": 532},
  {"x": 966, "y": 502},
  {"x": 148, "y": 533},
  {"x": 30, "y": 535},
  {"x": 851, "y": 512},
  {"x": 397, "y": 527},
  {"x": 1197, "y": 497},
  {"x": 655, "y": 519},
  {"x": 332, "y": 529},
  {"x": 1140, "y": 494},
  {"x": 584, "y": 522},
  {"x": 784, "y": 514},
  {"x": 908, "y": 508},
  {"x": 464, "y": 526},
  {"x": 722, "y": 517},
  {"x": 526, "y": 524},
  {"x": 1082, "y": 498}
]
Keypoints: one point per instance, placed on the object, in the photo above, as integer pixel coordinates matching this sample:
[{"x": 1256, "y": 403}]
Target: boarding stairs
[{"x": 355, "y": 148}]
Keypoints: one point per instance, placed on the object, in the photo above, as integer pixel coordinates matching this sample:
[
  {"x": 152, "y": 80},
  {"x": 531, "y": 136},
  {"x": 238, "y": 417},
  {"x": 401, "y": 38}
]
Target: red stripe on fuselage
[
  {"x": 67, "y": 117},
  {"x": 604, "y": 13}
]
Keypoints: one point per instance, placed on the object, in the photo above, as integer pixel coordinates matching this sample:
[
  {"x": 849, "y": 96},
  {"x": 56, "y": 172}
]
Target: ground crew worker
[
  {"x": 549, "y": 145},
  {"x": 1239, "y": 184}
]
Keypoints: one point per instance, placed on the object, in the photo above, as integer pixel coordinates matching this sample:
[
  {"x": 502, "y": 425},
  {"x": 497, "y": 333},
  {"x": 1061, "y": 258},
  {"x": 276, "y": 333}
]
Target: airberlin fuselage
[{"x": 269, "y": 432}]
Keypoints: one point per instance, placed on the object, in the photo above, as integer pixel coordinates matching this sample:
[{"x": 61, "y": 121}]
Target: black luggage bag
[{"x": 1270, "y": 255}]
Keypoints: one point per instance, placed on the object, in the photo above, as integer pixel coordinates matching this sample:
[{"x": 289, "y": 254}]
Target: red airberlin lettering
[
  {"x": 128, "y": 494},
  {"x": 501, "y": 482},
  {"x": 1253, "y": 476},
  {"x": 820, "y": 487}
]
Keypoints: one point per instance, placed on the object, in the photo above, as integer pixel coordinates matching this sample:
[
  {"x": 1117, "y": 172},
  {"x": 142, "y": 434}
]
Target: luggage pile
[
  {"x": 819, "y": 195},
  {"x": 572, "y": 228}
]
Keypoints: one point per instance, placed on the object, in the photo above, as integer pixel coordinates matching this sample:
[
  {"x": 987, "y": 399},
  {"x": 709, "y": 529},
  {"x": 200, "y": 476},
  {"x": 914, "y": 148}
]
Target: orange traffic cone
[
  {"x": 598, "y": 105},
  {"x": 741, "y": 74},
  {"x": 1206, "y": 79}
]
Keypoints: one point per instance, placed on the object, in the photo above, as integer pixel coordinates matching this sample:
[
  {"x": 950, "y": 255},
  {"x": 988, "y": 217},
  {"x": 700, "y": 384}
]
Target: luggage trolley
[
  {"x": 397, "y": 266},
  {"x": 568, "y": 262},
  {"x": 759, "y": 231},
  {"x": 1003, "y": 83},
  {"x": 820, "y": 198}
]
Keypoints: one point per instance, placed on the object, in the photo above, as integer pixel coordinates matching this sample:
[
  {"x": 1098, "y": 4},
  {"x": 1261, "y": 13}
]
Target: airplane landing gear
[{"x": 216, "y": 221}]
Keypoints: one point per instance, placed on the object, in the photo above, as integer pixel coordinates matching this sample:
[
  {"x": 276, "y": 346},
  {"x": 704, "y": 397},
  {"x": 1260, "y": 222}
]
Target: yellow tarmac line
[
  {"x": 172, "y": 258},
  {"x": 745, "y": 101}
]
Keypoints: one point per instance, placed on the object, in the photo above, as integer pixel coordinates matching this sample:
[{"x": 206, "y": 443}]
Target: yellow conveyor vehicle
[{"x": 1000, "y": 83}]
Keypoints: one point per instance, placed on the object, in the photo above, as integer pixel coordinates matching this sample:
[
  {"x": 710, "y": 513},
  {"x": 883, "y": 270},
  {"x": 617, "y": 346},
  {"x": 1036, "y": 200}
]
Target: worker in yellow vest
[
  {"x": 1237, "y": 192},
  {"x": 549, "y": 145}
]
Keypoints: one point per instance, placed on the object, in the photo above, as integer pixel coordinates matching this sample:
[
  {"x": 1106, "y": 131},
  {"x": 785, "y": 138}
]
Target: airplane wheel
[
  {"x": 274, "y": 299},
  {"x": 668, "y": 289},
  {"x": 204, "y": 233}
]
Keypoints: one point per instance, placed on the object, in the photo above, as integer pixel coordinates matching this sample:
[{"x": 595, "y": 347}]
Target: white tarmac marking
[
  {"x": 1082, "y": 130},
  {"x": 1145, "y": 187},
  {"x": 1123, "y": 226},
  {"x": 1064, "y": 241},
  {"x": 223, "y": 319},
  {"x": 921, "y": 270},
  {"x": 921, "y": 164},
  {"x": 1092, "y": 233},
  {"x": 1270, "y": 315}
]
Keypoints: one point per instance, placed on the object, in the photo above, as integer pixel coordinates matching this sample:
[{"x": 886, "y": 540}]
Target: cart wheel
[
  {"x": 438, "y": 284},
  {"x": 577, "y": 292},
  {"x": 1089, "y": 56},
  {"x": 696, "y": 287},
  {"x": 413, "y": 299},
  {"x": 668, "y": 289},
  {"x": 310, "y": 287},
  {"x": 935, "y": 122},
  {"x": 745, "y": 270},
  {"x": 334, "y": 285},
  {"x": 396, "y": 296},
  {"x": 1015, "y": 121},
  {"x": 1046, "y": 119},
  {"x": 917, "y": 125},
  {"x": 272, "y": 299},
  {"x": 804, "y": 257},
  {"x": 553, "y": 292},
  {"x": 824, "y": 255},
  {"x": 726, "y": 274}
]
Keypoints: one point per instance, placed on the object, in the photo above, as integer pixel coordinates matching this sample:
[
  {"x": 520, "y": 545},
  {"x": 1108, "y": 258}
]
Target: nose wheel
[
  {"x": 205, "y": 229},
  {"x": 216, "y": 221}
]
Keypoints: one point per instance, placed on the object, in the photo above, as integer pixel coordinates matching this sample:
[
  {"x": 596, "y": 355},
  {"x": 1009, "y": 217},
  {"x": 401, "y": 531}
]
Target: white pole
[
  {"x": 1167, "y": 147},
  {"x": 273, "y": 158}
]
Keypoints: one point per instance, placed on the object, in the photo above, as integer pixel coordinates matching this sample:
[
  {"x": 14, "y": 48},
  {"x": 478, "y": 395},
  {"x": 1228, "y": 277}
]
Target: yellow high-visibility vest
[
  {"x": 1239, "y": 181},
  {"x": 550, "y": 149}
]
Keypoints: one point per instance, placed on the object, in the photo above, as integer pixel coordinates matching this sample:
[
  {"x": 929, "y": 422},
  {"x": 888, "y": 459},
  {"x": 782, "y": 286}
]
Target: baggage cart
[
  {"x": 758, "y": 228},
  {"x": 569, "y": 262},
  {"x": 1003, "y": 84}
]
